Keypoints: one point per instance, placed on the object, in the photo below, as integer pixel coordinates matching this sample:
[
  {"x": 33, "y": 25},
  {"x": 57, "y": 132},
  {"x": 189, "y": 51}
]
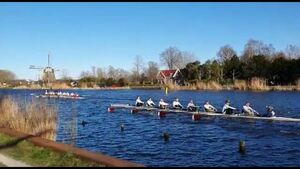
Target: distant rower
[
  {"x": 176, "y": 104},
  {"x": 162, "y": 104},
  {"x": 139, "y": 102},
  {"x": 249, "y": 110},
  {"x": 209, "y": 108},
  {"x": 191, "y": 106},
  {"x": 150, "y": 103},
  {"x": 227, "y": 109}
]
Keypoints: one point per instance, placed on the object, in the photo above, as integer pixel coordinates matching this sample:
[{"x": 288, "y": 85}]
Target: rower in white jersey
[
  {"x": 150, "y": 103},
  {"x": 162, "y": 104},
  {"x": 138, "y": 102},
  {"x": 249, "y": 111},
  {"x": 176, "y": 104},
  {"x": 191, "y": 106},
  {"x": 209, "y": 108}
]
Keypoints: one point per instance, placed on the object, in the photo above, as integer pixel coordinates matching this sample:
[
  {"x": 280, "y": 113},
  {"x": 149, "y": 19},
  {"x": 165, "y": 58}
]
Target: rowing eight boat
[
  {"x": 143, "y": 108},
  {"x": 58, "y": 97}
]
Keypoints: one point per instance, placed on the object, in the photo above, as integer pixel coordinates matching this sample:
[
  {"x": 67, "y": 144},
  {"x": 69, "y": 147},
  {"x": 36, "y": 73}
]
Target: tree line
[
  {"x": 258, "y": 59},
  {"x": 140, "y": 74}
]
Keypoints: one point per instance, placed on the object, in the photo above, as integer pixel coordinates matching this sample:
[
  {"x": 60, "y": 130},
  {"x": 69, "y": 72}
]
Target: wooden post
[{"x": 242, "y": 147}]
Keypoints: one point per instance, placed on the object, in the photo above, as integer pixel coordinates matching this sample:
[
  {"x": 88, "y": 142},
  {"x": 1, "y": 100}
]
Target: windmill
[{"x": 48, "y": 72}]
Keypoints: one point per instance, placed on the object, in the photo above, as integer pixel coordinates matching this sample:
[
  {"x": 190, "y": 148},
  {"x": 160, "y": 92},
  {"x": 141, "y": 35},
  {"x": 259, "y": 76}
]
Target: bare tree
[
  {"x": 111, "y": 72},
  {"x": 65, "y": 75},
  {"x": 226, "y": 53},
  {"x": 85, "y": 74},
  {"x": 152, "y": 71},
  {"x": 138, "y": 67},
  {"x": 122, "y": 73},
  {"x": 292, "y": 52},
  {"x": 6, "y": 75},
  {"x": 171, "y": 57},
  {"x": 186, "y": 57},
  {"x": 101, "y": 73},
  {"x": 94, "y": 71},
  {"x": 254, "y": 47}
]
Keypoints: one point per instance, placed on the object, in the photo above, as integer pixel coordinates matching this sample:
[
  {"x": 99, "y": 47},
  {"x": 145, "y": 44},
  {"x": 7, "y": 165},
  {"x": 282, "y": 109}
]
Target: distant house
[{"x": 170, "y": 76}]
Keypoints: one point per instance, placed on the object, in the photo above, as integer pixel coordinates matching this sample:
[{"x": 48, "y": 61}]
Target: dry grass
[
  {"x": 258, "y": 84},
  {"x": 240, "y": 85},
  {"x": 60, "y": 86},
  {"x": 201, "y": 86},
  {"x": 285, "y": 88},
  {"x": 35, "y": 117},
  {"x": 172, "y": 86},
  {"x": 212, "y": 85},
  {"x": 298, "y": 84}
]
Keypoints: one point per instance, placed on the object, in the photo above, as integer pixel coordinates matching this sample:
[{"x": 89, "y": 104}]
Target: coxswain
[
  {"x": 249, "y": 111},
  {"x": 209, "y": 108},
  {"x": 227, "y": 109},
  {"x": 138, "y": 102},
  {"x": 191, "y": 106},
  {"x": 150, "y": 103},
  {"x": 270, "y": 111},
  {"x": 162, "y": 104},
  {"x": 176, "y": 104}
]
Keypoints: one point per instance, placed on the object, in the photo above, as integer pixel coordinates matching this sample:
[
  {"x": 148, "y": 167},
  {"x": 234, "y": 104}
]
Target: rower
[
  {"x": 138, "y": 102},
  {"x": 209, "y": 108},
  {"x": 227, "y": 109},
  {"x": 191, "y": 106},
  {"x": 150, "y": 103},
  {"x": 176, "y": 104},
  {"x": 162, "y": 104},
  {"x": 249, "y": 110},
  {"x": 46, "y": 92}
]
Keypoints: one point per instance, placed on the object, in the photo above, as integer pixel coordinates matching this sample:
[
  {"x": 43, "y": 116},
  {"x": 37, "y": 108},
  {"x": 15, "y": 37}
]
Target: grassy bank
[
  {"x": 38, "y": 156},
  {"x": 255, "y": 84}
]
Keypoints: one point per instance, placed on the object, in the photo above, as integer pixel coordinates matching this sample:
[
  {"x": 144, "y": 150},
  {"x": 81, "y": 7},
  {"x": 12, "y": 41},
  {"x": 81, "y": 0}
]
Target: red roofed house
[{"x": 170, "y": 76}]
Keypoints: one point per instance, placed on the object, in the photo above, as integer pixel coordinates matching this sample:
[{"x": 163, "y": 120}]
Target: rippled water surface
[{"x": 212, "y": 141}]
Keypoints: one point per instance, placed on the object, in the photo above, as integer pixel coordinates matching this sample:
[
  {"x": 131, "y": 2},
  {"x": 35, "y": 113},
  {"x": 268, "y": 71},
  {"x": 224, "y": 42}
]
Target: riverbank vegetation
[
  {"x": 35, "y": 117},
  {"x": 258, "y": 67},
  {"x": 39, "y": 156}
]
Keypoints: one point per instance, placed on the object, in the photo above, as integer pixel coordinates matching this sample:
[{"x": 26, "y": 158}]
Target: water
[{"x": 212, "y": 141}]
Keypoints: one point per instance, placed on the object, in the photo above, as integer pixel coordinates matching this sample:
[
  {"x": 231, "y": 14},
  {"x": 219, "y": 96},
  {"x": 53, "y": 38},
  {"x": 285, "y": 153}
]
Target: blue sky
[{"x": 81, "y": 35}]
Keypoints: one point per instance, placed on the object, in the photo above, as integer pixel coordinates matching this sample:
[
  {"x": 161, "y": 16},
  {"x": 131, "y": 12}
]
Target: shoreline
[{"x": 181, "y": 88}]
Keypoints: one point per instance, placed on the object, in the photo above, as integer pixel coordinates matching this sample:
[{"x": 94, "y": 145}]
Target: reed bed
[
  {"x": 34, "y": 117},
  {"x": 240, "y": 85},
  {"x": 258, "y": 84},
  {"x": 255, "y": 84},
  {"x": 60, "y": 86}
]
